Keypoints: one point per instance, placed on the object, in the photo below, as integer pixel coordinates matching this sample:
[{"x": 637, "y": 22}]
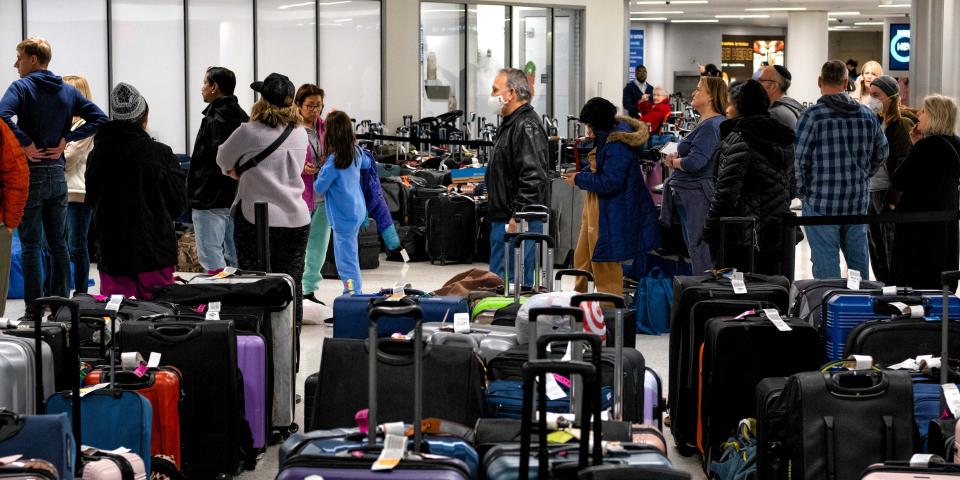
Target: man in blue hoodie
[
  {"x": 840, "y": 144},
  {"x": 45, "y": 106}
]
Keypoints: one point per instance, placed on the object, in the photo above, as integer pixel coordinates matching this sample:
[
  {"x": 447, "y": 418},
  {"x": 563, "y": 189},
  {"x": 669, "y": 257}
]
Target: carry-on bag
[
  {"x": 45, "y": 437},
  {"x": 351, "y": 319},
  {"x": 100, "y": 465},
  {"x": 807, "y": 297},
  {"x": 919, "y": 466},
  {"x": 356, "y": 462},
  {"x": 697, "y": 299},
  {"x": 543, "y": 272},
  {"x": 18, "y": 468},
  {"x": 488, "y": 341},
  {"x": 771, "y": 429},
  {"x": 451, "y": 229},
  {"x": 55, "y": 335},
  {"x": 22, "y": 366}
]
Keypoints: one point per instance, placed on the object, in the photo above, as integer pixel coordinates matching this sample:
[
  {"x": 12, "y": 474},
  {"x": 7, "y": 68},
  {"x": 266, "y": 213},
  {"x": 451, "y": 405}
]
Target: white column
[
  {"x": 926, "y": 48},
  {"x": 951, "y": 54},
  {"x": 401, "y": 61},
  {"x": 807, "y": 47},
  {"x": 654, "y": 54}
]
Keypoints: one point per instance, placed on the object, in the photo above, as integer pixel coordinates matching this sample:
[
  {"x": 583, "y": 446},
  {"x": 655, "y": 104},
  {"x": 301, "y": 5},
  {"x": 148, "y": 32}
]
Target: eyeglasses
[
  {"x": 766, "y": 81},
  {"x": 313, "y": 107}
]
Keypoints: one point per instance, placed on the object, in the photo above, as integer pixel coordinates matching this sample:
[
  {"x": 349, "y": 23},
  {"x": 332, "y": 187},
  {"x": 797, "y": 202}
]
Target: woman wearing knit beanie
[
  {"x": 136, "y": 189},
  {"x": 754, "y": 179}
]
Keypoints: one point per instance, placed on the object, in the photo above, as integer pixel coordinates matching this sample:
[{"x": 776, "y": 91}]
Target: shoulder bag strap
[{"x": 253, "y": 162}]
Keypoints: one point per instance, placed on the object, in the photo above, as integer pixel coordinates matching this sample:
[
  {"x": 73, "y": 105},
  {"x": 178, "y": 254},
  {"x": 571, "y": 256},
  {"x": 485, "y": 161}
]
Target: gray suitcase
[
  {"x": 487, "y": 340},
  {"x": 18, "y": 374}
]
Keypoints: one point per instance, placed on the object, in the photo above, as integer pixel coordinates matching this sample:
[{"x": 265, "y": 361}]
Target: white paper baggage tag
[
  {"x": 9, "y": 323},
  {"x": 774, "y": 316},
  {"x": 952, "y": 396},
  {"x": 891, "y": 290},
  {"x": 461, "y": 322},
  {"x": 154, "y": 360},
  {"x": 86, "y": 390},
  {"x": 923, "y": 460},
  {"x": 394, "y": 449},
  {"x": 130, "y": 360},
  {"x": 114, "y": 304},
  {"x": 213, "y": 311},
  {"x": 226, "y": 272},
  {"x": 739, "y": 286},
  {"x": 554, "y": 392},
  {"x": 568, "y": 355},
  {"x": 853, "y": 279},
  {"x": 404, "y": 255},
  {"x": 859, "y": 362}
]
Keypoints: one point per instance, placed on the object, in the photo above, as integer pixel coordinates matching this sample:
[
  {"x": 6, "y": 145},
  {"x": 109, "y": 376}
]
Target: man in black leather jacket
[
  {"x": 517, "y": 172},
  {"x": 211, "y": 192}
]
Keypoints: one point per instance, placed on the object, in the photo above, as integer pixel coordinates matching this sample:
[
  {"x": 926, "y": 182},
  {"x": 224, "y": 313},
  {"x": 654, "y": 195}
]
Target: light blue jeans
[
  {"x": 215, "y": 247},
  {"x": 497, "y": 231},
  {"x": 827, "y": 241}
]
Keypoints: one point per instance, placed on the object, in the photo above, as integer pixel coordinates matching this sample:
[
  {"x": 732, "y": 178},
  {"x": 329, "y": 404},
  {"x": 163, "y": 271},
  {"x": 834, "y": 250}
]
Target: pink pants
[{"x": 140, "y": 286}]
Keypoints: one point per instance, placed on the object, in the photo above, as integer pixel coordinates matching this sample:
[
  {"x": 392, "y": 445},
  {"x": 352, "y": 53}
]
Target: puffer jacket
[
  {"x": 628, "y": 217},
  {"x": 755, "y": 178},
  {"x": 517, "y": 174}
]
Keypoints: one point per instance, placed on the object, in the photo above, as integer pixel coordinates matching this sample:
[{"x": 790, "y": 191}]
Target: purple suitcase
[
  {"x": 252, "y": 359},
  {"x": 653, "y": 403}
]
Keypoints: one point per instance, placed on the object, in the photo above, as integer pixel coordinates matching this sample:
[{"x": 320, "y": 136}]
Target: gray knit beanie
[
  {"x": 887, "y": 84},
  {"x": 126, "y": 103}
]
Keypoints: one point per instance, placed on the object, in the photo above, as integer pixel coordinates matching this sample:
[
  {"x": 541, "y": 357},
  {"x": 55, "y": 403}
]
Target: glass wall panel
[
  {"x": 148, "y": 54},
  {"x": 350, "y": 57},
  {"x": 59, "y": 21},
  {"x": 286, "y": 39},
  {"x": 221, "y": 34},
  {"x": 10, "y": 35},
  {"x": 567, "y": 65},
  {"x": 531, "y": 49},
  {"x": 442, "y": 69},
  {"x": 487, "y": 52}
]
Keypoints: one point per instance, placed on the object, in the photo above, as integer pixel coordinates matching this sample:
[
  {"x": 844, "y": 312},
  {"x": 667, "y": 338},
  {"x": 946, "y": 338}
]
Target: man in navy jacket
[
  {"x": 635, "y": 91},
  {"x": 45, "y": 106}
]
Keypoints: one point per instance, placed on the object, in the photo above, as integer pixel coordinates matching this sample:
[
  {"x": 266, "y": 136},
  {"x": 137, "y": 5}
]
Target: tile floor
[{"x": 429, "y": 277}]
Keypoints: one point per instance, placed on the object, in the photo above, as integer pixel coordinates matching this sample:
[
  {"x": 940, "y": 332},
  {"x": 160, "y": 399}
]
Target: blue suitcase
[
  {"x": 351, "y": 320},
  {"x": 845, "y": 311},
  {"x": 46, "y": 437},
  {"x": 504, "y": 399}
]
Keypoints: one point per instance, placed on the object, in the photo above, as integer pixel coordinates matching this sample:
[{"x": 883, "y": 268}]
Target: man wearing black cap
[{"x": 776, "y": 80}]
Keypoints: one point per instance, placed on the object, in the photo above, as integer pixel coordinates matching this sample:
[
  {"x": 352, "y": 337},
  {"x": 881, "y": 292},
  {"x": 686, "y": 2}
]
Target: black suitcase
[
  {"x": 414, "y": 241},
  {"x": 368, "y": 247},
  {"x": 771, "y": 429},
  {"x": 451, "y": 229},
  {"x": 216, "y": 437},
  {"x": 839, "y": 423},
  {"x": 434, "y": 178},
  {"x": 483, "y": 233},
  {"x": 397, "y": 197},
  {"x": 697, "y": 299},
  {"x": 892, "y": 341},
  {"x": 737, "y": 354},
  {"x": 418, "y": 204}
]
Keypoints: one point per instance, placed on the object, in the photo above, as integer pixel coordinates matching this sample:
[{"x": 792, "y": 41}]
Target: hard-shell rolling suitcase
[
  {"x": 356, "y": 462},
  {"x": 19, "y": 375},
  {"x": 351, "y": 320},
  {"x": 45, "y": 437},
  {"x": 653, "y": 402},
  {"x": 807, "y": 296},
  {"x": 216, "y": 436},
  {"x": 101, "y": 465},
  {"x": 899, "y": 337},
  {"x": 488, "y": 341},
  {"x": 451, "y": 229},
  {"x": 18, "y": 468},
  {"x": 919, "y": 467},
  {"x": 697, "y": 299},
  {"x": 55, "y": 335},
  {"x": 252, "y": 360},
  {"x": 162, "y": 388},
  {"x": 737, "y": 354}
]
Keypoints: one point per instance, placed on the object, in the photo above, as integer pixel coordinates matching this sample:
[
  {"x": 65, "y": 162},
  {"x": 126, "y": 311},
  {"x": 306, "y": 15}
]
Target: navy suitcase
[
  {"x": 351, "y": 319},
  {"x": 302, "y": 456},
  {"x": 46, "y": 437}
]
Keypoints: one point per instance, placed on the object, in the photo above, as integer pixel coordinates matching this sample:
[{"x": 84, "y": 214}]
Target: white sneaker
[{"x": 315, "y": 313}]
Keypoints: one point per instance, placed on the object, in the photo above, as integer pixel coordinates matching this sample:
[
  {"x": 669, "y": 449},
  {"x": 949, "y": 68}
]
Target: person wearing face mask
[
  {"x": 211, "y": 193},
  {"x": 619, "y": 218},
  {"x": 928, "y": 179},
  {"x": 517, "y": 172},
  {"x": 884, "y": 100},
  {"x": 861, "y": 87},
  {"x": 690, "y": 187}
]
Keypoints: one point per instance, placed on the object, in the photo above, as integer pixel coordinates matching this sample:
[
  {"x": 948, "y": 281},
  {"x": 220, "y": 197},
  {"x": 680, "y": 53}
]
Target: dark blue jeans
[
  {"x": 78, "y": 224},
  {"x": 45, "y": 216}
]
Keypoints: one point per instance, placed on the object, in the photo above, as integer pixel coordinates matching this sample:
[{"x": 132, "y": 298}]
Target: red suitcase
[{"x": 162, "y": 388}]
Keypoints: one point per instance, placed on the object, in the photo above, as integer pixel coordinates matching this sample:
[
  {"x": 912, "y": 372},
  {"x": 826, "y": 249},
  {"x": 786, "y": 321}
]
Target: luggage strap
[{"x": 253, "y": 162}]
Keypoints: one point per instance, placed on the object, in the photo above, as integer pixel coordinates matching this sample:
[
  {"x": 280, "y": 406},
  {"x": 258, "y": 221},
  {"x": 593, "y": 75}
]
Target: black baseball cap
[{"x": 276, "y": 89}]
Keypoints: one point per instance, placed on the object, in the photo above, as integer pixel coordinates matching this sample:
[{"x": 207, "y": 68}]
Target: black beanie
[
  {"x": 749, "y": 98},
  {"x": 599, "y": 113}
]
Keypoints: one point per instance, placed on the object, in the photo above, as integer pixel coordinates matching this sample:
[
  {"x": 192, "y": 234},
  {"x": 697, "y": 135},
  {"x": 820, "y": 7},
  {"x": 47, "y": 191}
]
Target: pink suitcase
[
  {"x": 252, "y": 359},
  {"x": 100, "y": 465},
  {"x": 921, "y": 466}
]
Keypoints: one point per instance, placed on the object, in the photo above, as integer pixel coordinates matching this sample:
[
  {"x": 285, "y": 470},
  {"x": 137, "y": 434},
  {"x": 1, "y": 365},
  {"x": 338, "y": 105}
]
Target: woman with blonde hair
[
  {"x": 689, "y": 189},
  {"x": 78, "y": 213},
  {"x": 267, "y": 156},
  {"x": 928, "y": 179},
  {"x": 861, "y": 86}
]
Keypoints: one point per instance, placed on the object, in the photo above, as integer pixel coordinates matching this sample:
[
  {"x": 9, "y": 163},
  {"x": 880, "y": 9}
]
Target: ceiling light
[
  {"x": 695, "y": 21},
  {"x": 294, "y": 5},
  {"x": 868, "y": 23},
  {"x": 326, "y": 4},
  {"x": 894, "y": 5},
  {"x": 343, "y": 20},
  {"x": 662, "y": 12},
  {"x": 648, "y": 19},
  {"x": 743, "y": 16},
  {"x": 674, "y": 2},
  {"x": 842, "y": 14},
  {"x": 831, "y": 19},
  {"x": 776, "y": 9},
  {"x": 843, "y": 27}
]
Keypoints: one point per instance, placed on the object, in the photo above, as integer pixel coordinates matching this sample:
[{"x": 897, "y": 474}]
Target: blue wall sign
[
  {"x": 636, "y": 50},
  {"x": 900, "y": 46}
]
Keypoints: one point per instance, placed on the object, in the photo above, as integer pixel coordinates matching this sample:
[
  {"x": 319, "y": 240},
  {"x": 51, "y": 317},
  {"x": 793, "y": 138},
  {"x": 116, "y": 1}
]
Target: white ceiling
[{"x": 869, "y": 11}]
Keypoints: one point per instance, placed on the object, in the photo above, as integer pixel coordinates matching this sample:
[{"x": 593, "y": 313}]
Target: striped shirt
[{"x": 839, "y": 146}]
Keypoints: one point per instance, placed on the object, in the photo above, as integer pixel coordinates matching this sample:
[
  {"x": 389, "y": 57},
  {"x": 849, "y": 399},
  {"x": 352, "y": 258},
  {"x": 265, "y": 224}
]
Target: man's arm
[
  {"x": 630, "y": 101},
  {"x": 91, "y": 114},
  {"x": 530, "y": 157},
  {"x": 803, "y": 152},
  {"x": 9, "y": 106}
]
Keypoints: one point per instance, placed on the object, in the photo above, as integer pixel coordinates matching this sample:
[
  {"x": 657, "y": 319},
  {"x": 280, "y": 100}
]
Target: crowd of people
[{"x": 63, "y": 162}]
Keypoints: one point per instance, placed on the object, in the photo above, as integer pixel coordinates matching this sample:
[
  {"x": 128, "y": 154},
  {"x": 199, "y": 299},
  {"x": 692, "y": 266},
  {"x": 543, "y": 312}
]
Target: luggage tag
[
  {"x": 891, "y": 290},
  {"x": 853, "y": 279},
  {"x": 774, "y": 316},
  {"x": 858, "y": 362},
  {"x": 84, "y": 391},
  {"x": 9, "y": 323},
  {"x": 10, "y": 459},
  {"x": 554, "y": 392},
  {"x": 394, "y": 447},
  {"x": 226, "y": 272},
  {"x": 952, "y": 395},
  {"x": 404, "y": 255},
  {"x": 154, "y": 361},
  {"x": 739, "y": 286},
  {"x": 114, "y": 304},
  {"x": 398, "y": 292},
  {"x": 134, "y": 362},
  {"x": 213, "y": 311},
  {"x": 911, "y": 311},
  {"x": 461, "y": 322}
]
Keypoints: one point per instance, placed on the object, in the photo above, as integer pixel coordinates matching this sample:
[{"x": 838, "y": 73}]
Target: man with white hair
[
  {"x": 517, "y": 173},
  {"x": 776, "y": 80}
]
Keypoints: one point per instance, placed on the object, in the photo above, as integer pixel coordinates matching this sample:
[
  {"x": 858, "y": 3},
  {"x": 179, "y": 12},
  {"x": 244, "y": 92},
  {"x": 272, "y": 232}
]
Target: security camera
[{"x": 839, "y": 20}]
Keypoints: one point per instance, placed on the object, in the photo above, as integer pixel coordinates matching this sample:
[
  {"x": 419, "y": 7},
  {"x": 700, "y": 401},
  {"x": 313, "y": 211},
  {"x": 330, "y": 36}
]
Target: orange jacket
[{"x": 14, "y": 177}]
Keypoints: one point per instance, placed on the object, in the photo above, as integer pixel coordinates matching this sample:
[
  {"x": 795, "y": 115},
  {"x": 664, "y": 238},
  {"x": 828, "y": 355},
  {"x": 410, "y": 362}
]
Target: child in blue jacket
[{"x": 339, "y": 181}]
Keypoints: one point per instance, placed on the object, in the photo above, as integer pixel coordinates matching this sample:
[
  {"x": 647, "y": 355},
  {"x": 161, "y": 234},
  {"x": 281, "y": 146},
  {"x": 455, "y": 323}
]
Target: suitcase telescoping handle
[
  {"x": 262, "y": 224},
  {"x": 532, "y": 370},
  {"x": 546, "y": 264},
  {"x": 752, "y": 222},
  {"x": 534, "y": 352},
  {"x": 403, "y": 308},
  {"x": 619, "y": 304},
  {"x": 573, "y": 272},
  {"x": 947, "y": 279},
  {"x": 56, "y": 303}
]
